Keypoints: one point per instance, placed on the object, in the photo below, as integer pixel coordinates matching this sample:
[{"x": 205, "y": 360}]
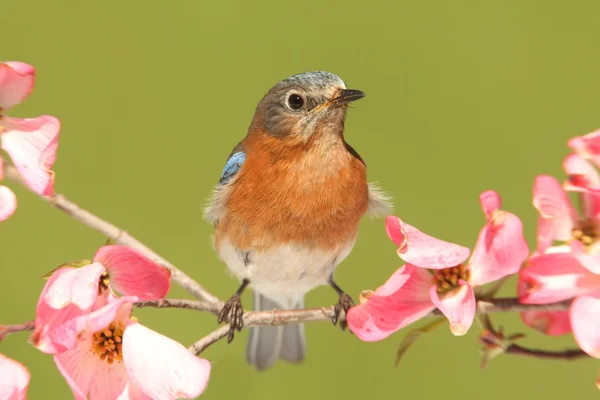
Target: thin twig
[
  {"x": 567, "y": 354},
  {"x": 283, "y": 317},
  {"x": 6, "y": 330},
  {"x": 213, "y": 308},
  {"x": 118, "y": 235},
  {"x": 209, "y": 339}
]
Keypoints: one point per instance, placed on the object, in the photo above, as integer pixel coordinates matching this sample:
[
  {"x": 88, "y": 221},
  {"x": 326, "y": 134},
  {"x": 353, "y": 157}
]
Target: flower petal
[
  {"x": 585, "y": 315},
  {"x": 32, "y": 144},
  {"x": 8, "y": 203},
  {"x": 16, "y": 82},
  {"x": 87, "y": 375},
  {"x": 458, "y": 306},
  {"x": 557, "y": 215},
  {"x": 402, "y": 300},
  {"x": 14, "y": 379},
  {"x": 78, "y": 286},
  {"x": 500, "y": 249},
  {"x": 588, "y": 258},
  {"x": 583, "y": 178},
  {"x": 552, "y": 323},
  {"x": 587, "y": 146},
  {"x": 131, "y": 273},
  {"x": 422, "y": 250},
  {"x": 553, "y": 277},
  {"x": 168, "y": 370},
  {"x": 490, "y": 202},
  {"x": 52, "y": 332}
]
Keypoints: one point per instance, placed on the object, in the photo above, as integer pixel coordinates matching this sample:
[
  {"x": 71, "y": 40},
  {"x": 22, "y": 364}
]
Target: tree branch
[
  {"x": 565, "y": 355},
  {"x": 6, "y": 330},
  {"x": 284, "y": 317},
  {"x": 118, "y": 235}
]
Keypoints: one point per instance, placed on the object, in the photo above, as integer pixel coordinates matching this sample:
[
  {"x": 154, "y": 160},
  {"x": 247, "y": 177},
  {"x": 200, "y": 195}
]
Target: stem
[
  {"x": 564, "y": 355},
  {"x": 118, "y": 235}
]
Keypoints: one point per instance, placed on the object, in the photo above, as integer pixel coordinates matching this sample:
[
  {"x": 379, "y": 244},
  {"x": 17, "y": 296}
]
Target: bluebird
[{"x": 287, "y": 208}]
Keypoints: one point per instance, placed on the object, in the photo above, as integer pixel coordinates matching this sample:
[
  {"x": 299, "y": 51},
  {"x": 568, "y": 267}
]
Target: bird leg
[
  {"x": 344, "y": 303},
  {"x": 233, "y": 312}
]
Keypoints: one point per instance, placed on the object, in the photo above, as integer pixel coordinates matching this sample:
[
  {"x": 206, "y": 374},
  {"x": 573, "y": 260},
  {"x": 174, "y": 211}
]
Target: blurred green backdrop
[{"x": 463, "y": 96}]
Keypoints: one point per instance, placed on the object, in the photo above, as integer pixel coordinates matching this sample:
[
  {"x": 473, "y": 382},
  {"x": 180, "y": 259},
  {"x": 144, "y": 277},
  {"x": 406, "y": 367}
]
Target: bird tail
[{"x": 268, "y": 343}]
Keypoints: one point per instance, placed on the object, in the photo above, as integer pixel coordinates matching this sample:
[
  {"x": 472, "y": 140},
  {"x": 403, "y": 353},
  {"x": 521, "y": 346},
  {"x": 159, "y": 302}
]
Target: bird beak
[{"x": 346, "y": 96}]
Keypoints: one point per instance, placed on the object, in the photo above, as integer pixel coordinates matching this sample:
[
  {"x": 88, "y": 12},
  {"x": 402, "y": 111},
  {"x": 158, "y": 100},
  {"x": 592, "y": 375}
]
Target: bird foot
[
  {"x": 232, "y": 313},
  {"x": 344, "y": 303}
]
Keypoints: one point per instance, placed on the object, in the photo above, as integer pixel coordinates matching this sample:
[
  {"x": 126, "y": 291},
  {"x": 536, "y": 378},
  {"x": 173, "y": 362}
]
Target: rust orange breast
[{"x": 314, "y": 193}]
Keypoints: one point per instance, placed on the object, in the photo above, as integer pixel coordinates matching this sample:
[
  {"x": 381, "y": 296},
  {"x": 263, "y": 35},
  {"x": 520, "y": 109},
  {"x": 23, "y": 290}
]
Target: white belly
[{"x": 286, "y": 271}]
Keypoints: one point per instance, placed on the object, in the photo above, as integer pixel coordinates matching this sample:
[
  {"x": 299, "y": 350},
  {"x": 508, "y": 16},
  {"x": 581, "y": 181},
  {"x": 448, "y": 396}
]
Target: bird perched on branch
[{"x": 288, "y": 206}]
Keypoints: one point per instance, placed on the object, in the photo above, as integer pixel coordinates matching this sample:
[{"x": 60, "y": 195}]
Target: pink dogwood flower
[
  {"x": 71, "y": 292},
  {"x": 559, "y": 275},
  {"x": 14, "y": 379},
  {"x": 587, "y": 146},
  {"x": 115, "y": 357},
  {"x": 31, "y": 143},
  {"x": 436, "y": 275}
]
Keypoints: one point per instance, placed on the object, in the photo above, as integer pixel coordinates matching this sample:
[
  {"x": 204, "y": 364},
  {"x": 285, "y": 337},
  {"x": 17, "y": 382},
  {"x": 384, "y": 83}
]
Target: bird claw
[
  {"x": 344, "y": 303},
  {"x": 232, "y": 313}
]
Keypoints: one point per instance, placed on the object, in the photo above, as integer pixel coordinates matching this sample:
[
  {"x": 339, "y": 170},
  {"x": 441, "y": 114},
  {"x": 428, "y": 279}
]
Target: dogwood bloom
[
  {"x": 436, "y": 275},
  {"x": 587, "y": 146},
  {"x": 557, "y": 276},
  {"x": 14, "y": 379},
  {"x": 71, "y": 292},
  {"x": 115, "y": 357},
  {"x": 31, "y": 143}
]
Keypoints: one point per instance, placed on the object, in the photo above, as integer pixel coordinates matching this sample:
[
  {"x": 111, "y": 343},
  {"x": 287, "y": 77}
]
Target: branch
[
  {"x": 118, "y": 235},
  {"x": 6, "y": 330},
  {"x": 284, "y": 317},
  {"x": 567, "y": 354}
]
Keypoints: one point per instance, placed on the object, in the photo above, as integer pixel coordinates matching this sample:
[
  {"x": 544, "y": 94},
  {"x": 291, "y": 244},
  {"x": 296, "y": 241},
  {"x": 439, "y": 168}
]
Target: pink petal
[
  {"x": 557, "y": 214},
  {"x": 52, "y": 332},
  {"x": 583, "y": 178},
  {"x": 555, "y": 277},
  {"x": 490, "y": 202},
  {"x": 8, "y": 203},
  {"x": 422, "y": 250},
  {"x": 14, "y": 379},
  {"x": 78, "y": 286},
  {"x": 32, "y": 144},
  {"x": 169, "y": 371},
  {"x": 587, "y": 146},
  {"x": 16, "y": 82},
  {"x": 131, "y": 273},
  {"x": 585, "y": 321},
  {"x": 402, "y": 300},
  {"x": 500, "y": 249},
  {"x": 458, "y": 306},
  {"x": 117, "y": 309},
  {"x": 552, "y": 323},
  {"x": 588, "y": 259},
  {"x": 87, "y": 375}
]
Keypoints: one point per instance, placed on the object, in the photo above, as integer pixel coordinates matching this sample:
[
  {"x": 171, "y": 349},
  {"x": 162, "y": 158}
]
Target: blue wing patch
[{"x": 232, "y": 167}]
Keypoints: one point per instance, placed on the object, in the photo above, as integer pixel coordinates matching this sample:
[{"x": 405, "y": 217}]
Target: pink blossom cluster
[
  {"x": 99, "y": 348},
  {"x": 564, "y": 265},
  {"x": 31, "y": 143}
]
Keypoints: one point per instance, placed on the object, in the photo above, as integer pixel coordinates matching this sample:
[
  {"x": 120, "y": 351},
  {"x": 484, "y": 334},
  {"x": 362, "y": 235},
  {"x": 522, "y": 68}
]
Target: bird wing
[
  {"x": 216, "y": 203},
  {"x": 233, "y": 165}
]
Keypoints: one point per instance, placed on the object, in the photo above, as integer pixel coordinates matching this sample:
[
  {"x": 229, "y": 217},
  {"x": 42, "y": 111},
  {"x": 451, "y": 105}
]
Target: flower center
[
  {"x": 447, "y": 278},
  {"x": 104, "y": 281},
  {"x": 585, "y": 232},
  {"x": 108, "y": 343}
]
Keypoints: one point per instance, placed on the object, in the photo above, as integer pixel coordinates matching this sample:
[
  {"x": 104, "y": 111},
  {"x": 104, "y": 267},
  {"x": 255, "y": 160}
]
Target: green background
[{"x": 463, "y": 96}]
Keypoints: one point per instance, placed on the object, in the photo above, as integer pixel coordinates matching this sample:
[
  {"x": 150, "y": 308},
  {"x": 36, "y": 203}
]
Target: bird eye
[{"x": 295, "y": 101}]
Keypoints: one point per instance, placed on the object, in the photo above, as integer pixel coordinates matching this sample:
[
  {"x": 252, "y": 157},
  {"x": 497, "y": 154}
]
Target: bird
[{"x": 287, "y": 208}]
